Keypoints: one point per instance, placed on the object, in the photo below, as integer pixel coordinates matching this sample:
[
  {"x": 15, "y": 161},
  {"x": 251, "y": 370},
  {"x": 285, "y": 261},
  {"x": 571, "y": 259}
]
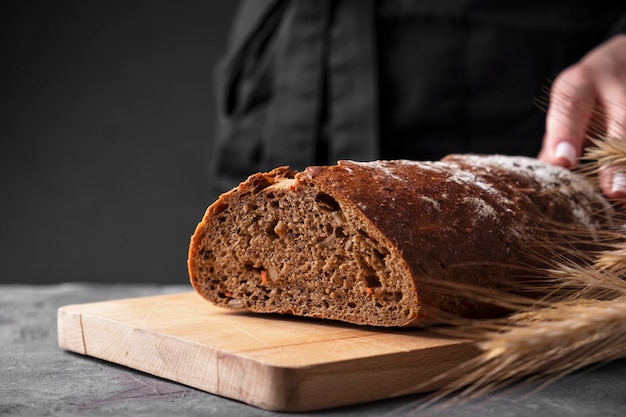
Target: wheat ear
[{"x": 607, "y": 152}]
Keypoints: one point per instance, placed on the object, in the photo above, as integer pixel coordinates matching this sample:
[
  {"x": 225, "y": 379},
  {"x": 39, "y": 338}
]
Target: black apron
[{"x": 312, "y": 81}]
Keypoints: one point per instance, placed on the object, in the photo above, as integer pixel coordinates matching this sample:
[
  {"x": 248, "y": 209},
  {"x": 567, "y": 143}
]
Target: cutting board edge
[
  {"x": 282, "y": 388},
  {"x": 272, "y": 395},
  {"x": 392, "y": 375}
]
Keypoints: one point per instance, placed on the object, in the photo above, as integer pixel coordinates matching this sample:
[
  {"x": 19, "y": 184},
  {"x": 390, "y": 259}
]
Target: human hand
[{"x": 588, "y": 98}]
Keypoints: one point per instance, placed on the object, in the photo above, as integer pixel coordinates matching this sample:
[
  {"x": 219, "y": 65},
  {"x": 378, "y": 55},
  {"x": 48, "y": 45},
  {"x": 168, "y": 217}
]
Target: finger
[
  {"x": 613, "y": 99},
  {"x": 614, "y": 104},
  {"x": 610, "y": 81},
  {"x": 613, "y": 183},
  {"x": 571, "y": 104}
]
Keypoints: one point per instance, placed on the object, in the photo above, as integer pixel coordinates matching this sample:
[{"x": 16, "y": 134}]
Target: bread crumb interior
[{"x": 302, "y": 253}]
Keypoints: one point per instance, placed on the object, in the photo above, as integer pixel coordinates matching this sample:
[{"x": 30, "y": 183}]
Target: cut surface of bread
[{"x": 363, "y": 242}]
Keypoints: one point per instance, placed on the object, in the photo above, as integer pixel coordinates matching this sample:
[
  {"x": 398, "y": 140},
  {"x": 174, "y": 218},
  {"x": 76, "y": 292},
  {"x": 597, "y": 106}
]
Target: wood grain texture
[{"x": 278, "y": 363}]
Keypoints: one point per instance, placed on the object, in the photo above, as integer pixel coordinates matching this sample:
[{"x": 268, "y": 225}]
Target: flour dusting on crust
[
  {"x": 550, "y": 178},
  {"x": 484, "y": 172}
]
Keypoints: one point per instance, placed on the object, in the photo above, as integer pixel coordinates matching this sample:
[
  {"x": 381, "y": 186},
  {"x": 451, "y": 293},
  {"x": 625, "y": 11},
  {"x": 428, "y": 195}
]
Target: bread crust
[{"x": 465, "y": 221}]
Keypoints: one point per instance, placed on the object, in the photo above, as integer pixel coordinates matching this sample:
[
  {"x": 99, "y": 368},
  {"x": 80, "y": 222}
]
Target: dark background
[{"x": 106, "y": 124}]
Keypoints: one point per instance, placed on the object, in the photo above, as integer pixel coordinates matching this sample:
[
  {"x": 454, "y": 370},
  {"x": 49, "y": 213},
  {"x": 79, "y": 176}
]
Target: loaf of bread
[{"x": 389, "y": 243}]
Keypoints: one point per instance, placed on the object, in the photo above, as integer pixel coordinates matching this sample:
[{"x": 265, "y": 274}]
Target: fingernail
[
  {"x": 567, "y": 151},
  {"x": 618, "y": 183}
]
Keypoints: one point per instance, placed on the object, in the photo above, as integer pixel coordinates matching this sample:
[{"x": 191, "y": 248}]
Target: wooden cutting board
[{"x": 278, "y": 363}]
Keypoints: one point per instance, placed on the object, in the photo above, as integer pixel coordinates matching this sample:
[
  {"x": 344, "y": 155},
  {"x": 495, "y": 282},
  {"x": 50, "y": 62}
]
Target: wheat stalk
[{"x": 541, "y": 344}]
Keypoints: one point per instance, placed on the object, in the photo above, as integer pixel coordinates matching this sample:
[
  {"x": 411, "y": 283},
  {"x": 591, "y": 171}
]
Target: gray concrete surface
[{"x": 37, "y": 378}]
